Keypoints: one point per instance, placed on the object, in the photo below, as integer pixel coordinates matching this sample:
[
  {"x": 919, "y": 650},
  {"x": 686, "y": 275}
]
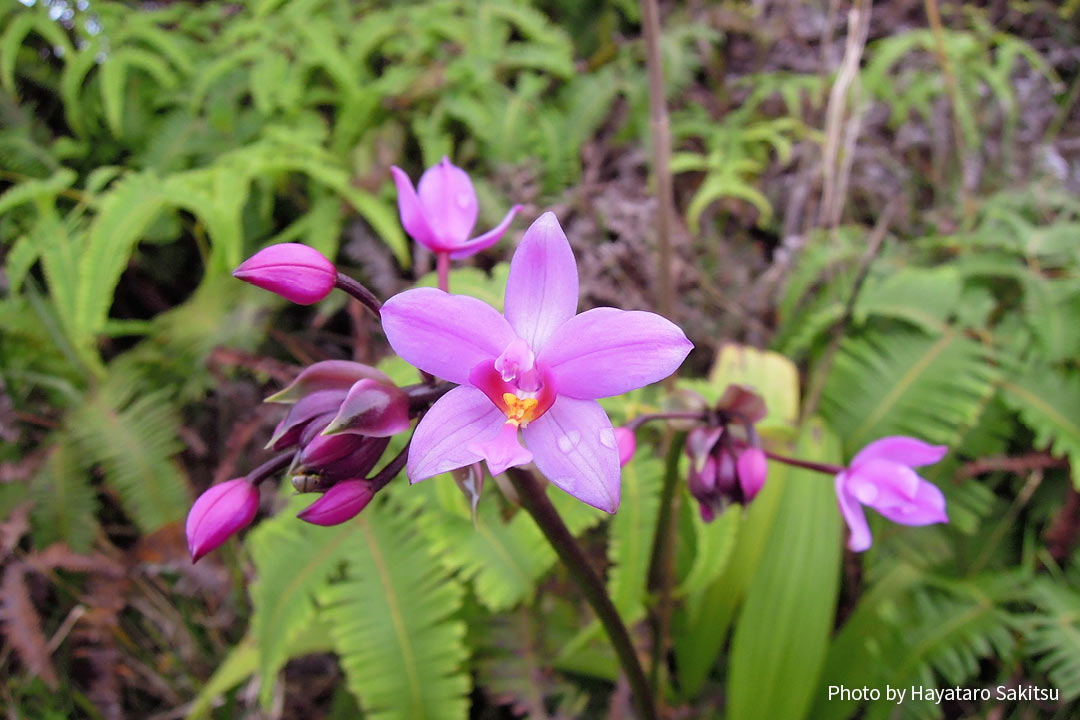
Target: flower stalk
[
  {"x": 361, "y": 293},
  {"x": 536, "y": 503}
]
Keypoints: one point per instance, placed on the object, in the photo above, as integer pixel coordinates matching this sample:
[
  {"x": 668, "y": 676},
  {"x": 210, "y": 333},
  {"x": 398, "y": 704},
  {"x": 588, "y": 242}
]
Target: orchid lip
[{"x": 521, "y": 406}]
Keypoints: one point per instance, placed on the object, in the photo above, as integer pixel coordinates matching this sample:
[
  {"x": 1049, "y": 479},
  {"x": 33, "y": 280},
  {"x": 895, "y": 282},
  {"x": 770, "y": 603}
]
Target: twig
[
  {"x": 942, "y": 54},
  {"x": 1017, "y": 464},
  {"x": 832, "y": 195},
  {"x": 817, "y": 380},
  {"x": 1064, "y": 529},
  {"x": 660, "y": 130},
  {"x": 536, "y": 503}
]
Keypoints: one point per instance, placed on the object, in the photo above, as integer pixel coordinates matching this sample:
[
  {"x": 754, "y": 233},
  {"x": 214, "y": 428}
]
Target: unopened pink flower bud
[
  {"x": 218, "y": 513},
  {"x": 627, "y": 444},
  {"x": 296, "y": 272},
  {"x": 327, "y": 375},
  {"x": 342, "y": 502},
  {"x": 752, "y": 468},
  {"x": 371, "y": 408}
]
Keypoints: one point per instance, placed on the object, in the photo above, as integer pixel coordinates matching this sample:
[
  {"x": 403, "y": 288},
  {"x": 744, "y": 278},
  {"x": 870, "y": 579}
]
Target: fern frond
[
  {"x": 906, "y": 383},
  {"x": 134, "y": 441},
  {"x": 391, "y": 621},
  {"x": 65, "y": 506},
  {"x": 631, "y": 533},
  {"x": 1048, "y": 402},
  {"x": 293, "y": 561},
  {"x": 1054, "y": 635}
]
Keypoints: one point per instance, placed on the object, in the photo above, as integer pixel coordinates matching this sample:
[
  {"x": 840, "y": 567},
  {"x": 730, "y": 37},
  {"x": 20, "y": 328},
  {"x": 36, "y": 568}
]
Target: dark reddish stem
[
  {"x": 536, "y": 503},
  {"x": 269, "y": 468},
  {"x": 361, "y": 293},
  {"x": 390, "y": 470},
  {"x": 824, "y": 468}
]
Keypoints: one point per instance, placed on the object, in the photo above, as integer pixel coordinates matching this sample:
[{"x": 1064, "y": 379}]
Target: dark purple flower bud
[
  {"x": 309, "y": 407},
  {"x": 328, "y": 375},
  {"x": 218, "y": 513},
  {"x": 358, "y": 462},
  {"x": 295, "y": 272},
  {"x": 371, "y": 408},
  {"x": 742, "y": 402},
  {"x": 342, "y": 502},
  {"x": 627, "y": 443},
  {"x": 325, "y": 449},
  {"x": 752, "y": 467}
]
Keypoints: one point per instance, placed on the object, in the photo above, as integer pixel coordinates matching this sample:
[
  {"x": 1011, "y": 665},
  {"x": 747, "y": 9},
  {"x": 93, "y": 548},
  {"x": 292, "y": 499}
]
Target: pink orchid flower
[
  {"x": 440, "y": 212},
  {"x": 538, "y": 370},
  {"x": 880, "y": 476}
]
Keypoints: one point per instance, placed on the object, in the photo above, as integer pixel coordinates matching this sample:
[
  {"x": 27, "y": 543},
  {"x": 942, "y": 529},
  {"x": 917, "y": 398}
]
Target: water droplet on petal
[
  {"x": 569, "y": 441},
  {"x": 607, "y": 438}
]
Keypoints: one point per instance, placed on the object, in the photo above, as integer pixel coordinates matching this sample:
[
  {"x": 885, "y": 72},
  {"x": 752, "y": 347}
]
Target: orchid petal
[
  {"x": 542, "y": 289},
  {"x": 449, "y": 203},
  {"x": 503, "y": 451},
  {"x": 854, "y": 516},
  {"x": 574, "y": 445},
  {"x": 605, "y": 352},
  {"x": 445, "y": 335},
  {"x": 928, "y": 506},
  {"x": 412, "y": 214},
  {"x": 879, "y": 483},
  {"x": 483, "y": 242},
  {"x": 459, "y": 418},
  {"x": 900, "y": 449}
]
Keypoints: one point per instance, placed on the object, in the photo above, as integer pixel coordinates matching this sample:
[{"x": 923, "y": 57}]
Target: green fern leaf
[
  {"x": 31, "y": 190},
  {"x": 293, "y": 560},
  {"x": 631, "y": 533},
  {"x": 65, "y": 506},
  {"x": 1048, "y": 402},
  {"x": 12, "y": 40},
  {"x": 134, "y": 440},
  {"x": 1054, "y": 635},
  {"x": 402, "y": 653},
  {"x": 906, "y": 383},
  {"x": 125, "y": 212}
]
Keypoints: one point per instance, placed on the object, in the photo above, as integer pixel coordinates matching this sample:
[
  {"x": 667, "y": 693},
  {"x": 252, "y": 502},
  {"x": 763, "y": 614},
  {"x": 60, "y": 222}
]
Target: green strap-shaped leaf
[{"x": 782, "y": 634}]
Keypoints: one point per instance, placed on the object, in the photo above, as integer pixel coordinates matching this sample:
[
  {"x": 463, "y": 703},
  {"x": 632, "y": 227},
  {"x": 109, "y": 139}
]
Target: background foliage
[{"x": 906, "y": 247}]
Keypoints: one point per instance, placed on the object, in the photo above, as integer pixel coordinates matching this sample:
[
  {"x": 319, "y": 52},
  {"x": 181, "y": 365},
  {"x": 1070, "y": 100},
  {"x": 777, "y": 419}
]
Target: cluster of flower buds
[
  {"x": 727, "y": 464},
  {"x": 339, "y": 424},
  {"x": 341, "y": 418}
]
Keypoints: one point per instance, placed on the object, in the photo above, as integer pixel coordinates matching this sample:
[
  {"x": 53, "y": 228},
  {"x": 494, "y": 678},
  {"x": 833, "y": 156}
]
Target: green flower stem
[
  {"x": 662, "y": 566},
  {"x": 535, "y": 501}
]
